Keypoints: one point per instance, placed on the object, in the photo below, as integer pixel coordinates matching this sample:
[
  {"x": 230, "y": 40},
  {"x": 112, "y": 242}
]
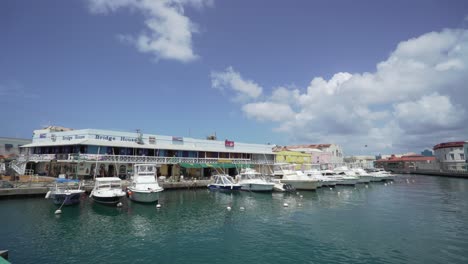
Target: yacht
[
  {"x": 251, "y": 180},
  {"x": 107, "y": 190},
  {"x": 299, "y": 180},
  {"x": 65, "y": 194},
  {"x": 317, "y": 175},
  {"x": 223, "y": 182},
  {"x": 143, "y": 186},
  {"x": 364, "y": 177},
  {"x": 383, "y": 175},
  {"x": 345, "y": 176}
]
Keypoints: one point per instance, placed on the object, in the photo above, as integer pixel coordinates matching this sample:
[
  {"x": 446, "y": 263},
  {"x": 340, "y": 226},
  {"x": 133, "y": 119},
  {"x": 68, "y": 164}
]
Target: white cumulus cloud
[
  {"x": 230, "y": 79},
  {"x": 168, "y": 32},
  {"x": 414, "y": 99}
]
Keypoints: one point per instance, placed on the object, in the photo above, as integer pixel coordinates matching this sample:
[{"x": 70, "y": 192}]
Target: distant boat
[
  {"x": 144, "y": 186},
  {"x": 224, "y": 182},
  {"x": 64, "y": 193},
  {"x": 251, "y": 180},
  {"x": 107, "y": 190}
]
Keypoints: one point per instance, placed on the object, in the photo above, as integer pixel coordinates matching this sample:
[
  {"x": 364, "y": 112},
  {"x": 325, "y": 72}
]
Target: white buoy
[
  {"x": 58, "y": 211},
  {"x": 338, "y": 193},
  {"x": 300, "y": 205},
  {"x": 158, "y": 206},
  {"x": 297, "y": 193},
  {"x": 331, "y": 188},
  {"x": 119, "y": 204},
  {"x": 300, "y": 196},
  {"x": 242, "y": 208},
  {"x": 385, "y": 184},
  {"x": 367, "y": 186},
  {"x": 228, "y": 208},
  {"x": 285, "y": 205}
]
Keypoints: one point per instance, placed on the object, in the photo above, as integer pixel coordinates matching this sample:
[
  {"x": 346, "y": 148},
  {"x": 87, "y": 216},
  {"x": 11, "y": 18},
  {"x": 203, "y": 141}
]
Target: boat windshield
[
  {"x": 223, "y": 179},
  {"x": 145, "y": 169},
  {"x": 109, "y": 185}
]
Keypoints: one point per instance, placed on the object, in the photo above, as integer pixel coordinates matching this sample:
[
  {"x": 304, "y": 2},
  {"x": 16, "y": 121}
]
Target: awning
[{"x": 213, "y": 165}]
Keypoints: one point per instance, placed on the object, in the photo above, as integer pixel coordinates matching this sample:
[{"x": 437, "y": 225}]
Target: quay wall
[{"x": 34, "y": 190}]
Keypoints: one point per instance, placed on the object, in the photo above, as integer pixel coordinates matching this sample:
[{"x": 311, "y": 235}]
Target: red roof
[
  {"x": 449, "y": 145},
  {"x": 410, "y": 158}
]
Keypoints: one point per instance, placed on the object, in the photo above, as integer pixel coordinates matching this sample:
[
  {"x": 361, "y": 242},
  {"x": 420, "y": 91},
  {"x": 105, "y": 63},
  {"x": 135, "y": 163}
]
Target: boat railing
[{"x": 136, "y": 159}]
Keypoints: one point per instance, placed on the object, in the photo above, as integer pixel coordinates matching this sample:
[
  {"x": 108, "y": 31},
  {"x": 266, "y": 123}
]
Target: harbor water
[{"x": 417, "y": 219}]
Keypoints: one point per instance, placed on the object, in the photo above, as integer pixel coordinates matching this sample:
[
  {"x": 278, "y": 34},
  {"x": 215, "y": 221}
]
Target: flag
[{"x": 228, "y": 143}]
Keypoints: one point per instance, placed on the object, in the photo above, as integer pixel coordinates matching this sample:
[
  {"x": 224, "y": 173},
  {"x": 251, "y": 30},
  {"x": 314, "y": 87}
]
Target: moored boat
[
  {"x": 107, "y": 190},
  {"x": 251, "y": 180},
  {"x": 64, "y": 194},
  {"x": 224, "y": 182},
  {"x": 143, "y": 185}
]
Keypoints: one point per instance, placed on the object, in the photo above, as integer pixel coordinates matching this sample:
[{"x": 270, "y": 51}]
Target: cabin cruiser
[
  {"x": 223, "y": 182},
  {"x": 107, "y": 190},
  {"x": 345, "y": 176},
  {"x": 382, "y": 175},
  {"x": 299, "y": 180},
  {"x": 363, "y": 175},
  {"x": 329, "y": 178},
  {"x": 143, "y": 186},
  {"x": 63, "y": 194},
  {"x": 251, "y": 180}
]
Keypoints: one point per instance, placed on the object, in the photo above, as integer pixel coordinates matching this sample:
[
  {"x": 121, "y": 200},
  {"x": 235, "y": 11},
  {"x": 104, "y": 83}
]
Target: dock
[{"x": 37, "y": 189}]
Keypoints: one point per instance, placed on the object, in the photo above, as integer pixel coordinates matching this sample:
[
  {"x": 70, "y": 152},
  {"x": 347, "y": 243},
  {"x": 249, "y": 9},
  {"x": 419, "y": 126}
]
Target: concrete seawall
[{"x": 26, "y": 191}]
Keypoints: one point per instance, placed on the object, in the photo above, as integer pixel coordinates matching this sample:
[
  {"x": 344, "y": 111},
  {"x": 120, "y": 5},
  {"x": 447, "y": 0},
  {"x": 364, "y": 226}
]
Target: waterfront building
[
  {"x": 92, "y": 152},
  {"x": 365, "y": 162},
  {"x": 10, "y": 147},
  {"x": 284, "y": 155},
  {"x": 405, "y": 163},
  {"x": 452, "y": 155},
  {"x": 322, "y": 153}
]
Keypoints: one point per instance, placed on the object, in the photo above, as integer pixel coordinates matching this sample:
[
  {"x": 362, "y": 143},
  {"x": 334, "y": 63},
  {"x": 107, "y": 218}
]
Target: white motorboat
[
  {"x": 65, "y": 194},
  {"x": 345, "y": 176},
  {"x": 143, "y": 186},
  {"x": 223, "y": 182},
  {"x": 363, "y": 175},
  {"x": 251, "y": 180},
  {"x": 107, "y": 190},
  {"x": 299, "y": 180},
  {"x": 383, "y": 175}
]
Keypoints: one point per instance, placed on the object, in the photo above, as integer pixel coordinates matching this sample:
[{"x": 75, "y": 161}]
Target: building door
[{"x": 111, "y": 171}]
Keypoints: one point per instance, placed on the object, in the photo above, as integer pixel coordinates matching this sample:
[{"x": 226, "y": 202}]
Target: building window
[
  {"x": 452, "y": 156},
  {"x": 462, "y": 156}
]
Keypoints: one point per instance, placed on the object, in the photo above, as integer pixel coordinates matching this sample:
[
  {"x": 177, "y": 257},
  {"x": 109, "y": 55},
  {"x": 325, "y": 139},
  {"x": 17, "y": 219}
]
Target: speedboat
[
  {"x": 107, "y": 190},
  {"x": 224, "y": 182},
  {"x": 143, "y": 186},
  {"x": 62, "y": 194},
  {"x": 363, "y": 175},
  {"x": 345, "y": 176},
  {"x": 317, "y": 175},
  {"x": 383, "y": 175},
  {"x": 251, "y": 180},
  {"x": 299, "y": 180}
]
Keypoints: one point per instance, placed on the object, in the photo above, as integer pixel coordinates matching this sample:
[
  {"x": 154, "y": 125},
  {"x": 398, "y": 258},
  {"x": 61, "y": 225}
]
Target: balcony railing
[{"x": 136, "y": 159}]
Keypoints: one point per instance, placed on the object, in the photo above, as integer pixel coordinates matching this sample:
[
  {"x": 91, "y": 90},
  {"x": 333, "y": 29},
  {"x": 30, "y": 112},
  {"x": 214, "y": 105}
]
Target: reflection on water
[{"x": 415, "y": 220}]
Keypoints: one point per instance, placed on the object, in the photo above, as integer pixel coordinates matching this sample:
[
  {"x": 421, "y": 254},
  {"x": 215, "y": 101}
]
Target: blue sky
[{"x": 387, "y": 74}]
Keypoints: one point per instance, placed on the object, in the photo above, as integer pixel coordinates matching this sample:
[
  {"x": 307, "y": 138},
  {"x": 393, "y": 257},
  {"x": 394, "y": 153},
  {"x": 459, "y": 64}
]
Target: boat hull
[
  {"x": 365, "y": 179},
  {"x": 224, "y": 187},
  {"x": 350, "y": 182},
  {"x": 66, "y": 199},
  {"x": 302, "y": 185},
  {"x": 143, "y": 197},
  {"x": 257, "y": 187},
  {"x": 107, "y": 200}
]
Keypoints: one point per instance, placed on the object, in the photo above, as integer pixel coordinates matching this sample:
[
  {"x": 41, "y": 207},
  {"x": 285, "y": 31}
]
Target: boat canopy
[
  {"x": 214, "y": 165},
  {"x": 223, "y": 179}
]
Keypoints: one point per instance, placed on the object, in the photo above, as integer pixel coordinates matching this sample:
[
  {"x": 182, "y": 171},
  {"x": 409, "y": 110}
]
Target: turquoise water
[{"x": 424, "y": 221}]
